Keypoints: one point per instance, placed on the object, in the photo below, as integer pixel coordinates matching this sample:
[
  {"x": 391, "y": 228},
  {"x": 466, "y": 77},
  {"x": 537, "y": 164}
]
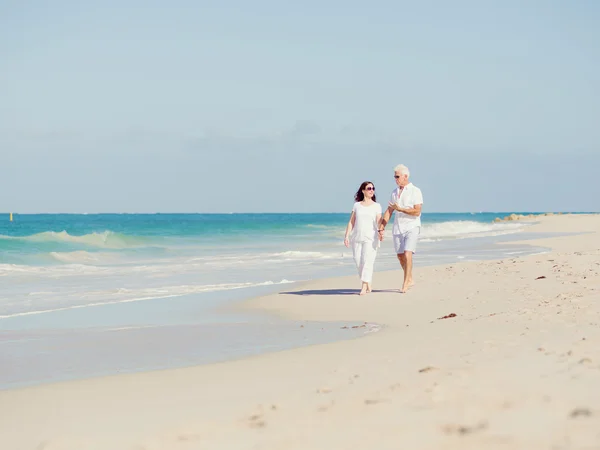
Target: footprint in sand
[
  {"x": 580, "y": 412},
  {"x": 352, "y": 378},
  {"x": 464, "y": 429},
  {"x": 189, "y": 437},
  {"x": 60, "y": 444},
  {"x": 327, "y": 407},
  {"x": 256, "y": 421}
]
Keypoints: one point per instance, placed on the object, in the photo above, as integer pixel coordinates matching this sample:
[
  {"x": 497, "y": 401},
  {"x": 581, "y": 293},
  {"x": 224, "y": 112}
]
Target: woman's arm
[
  {"x": 349, "y": 228},
  {"x": 380, "y": 226}
]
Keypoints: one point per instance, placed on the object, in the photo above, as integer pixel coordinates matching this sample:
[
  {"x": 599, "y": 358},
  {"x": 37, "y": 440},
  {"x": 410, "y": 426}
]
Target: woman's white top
[{"x": 365, "y": 222}]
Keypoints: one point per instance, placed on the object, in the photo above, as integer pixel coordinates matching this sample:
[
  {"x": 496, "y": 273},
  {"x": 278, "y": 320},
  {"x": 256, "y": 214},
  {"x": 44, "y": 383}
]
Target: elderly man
[{"x": 407, "y": 201}]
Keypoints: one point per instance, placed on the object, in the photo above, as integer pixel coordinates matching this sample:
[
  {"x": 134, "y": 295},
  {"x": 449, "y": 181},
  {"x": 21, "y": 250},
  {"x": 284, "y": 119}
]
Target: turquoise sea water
[
  {"x": 88, "y": 295},
  {"x": 33, "y": 238},
  {"x": 56, "y": 261}
]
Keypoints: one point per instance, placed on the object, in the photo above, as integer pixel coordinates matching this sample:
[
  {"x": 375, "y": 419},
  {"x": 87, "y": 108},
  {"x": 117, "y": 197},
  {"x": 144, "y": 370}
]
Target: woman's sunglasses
[{"x": 370, "y": 188}]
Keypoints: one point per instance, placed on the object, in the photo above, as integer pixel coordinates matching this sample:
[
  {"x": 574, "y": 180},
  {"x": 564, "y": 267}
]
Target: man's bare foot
[
  {"x": 406, "y": 286},
  {"x": 369, "y": 289}
]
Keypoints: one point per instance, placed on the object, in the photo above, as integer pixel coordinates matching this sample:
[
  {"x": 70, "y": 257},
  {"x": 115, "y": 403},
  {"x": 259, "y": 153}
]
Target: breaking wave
[
  {"x": 466, "y": 229},
  {"x": 105, "y": 239}
]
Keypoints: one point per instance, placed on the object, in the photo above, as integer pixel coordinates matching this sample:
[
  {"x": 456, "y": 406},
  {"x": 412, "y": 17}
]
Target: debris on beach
[
  {"x": 541, "y": 277},
  {"x": 447, "y": 317},
  {"x": 346, "y": 327}
]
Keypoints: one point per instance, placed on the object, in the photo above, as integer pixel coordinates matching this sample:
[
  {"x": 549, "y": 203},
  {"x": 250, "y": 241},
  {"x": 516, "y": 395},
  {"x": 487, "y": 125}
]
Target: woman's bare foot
[
  {"x": 365, "y": 289},
  {"x": 369, "y": 289}
]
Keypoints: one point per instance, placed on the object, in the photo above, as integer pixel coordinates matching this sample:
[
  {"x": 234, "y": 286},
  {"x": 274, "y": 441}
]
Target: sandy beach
[{"x": 483, "y": 355}]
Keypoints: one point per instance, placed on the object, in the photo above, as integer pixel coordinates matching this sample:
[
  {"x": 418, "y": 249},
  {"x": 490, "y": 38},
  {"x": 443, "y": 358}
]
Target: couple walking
[{"x": 366, "y": 226}]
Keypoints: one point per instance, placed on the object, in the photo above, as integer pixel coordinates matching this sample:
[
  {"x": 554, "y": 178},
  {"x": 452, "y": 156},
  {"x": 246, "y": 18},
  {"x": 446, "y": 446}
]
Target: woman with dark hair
[{"x": 362, "y": 233}]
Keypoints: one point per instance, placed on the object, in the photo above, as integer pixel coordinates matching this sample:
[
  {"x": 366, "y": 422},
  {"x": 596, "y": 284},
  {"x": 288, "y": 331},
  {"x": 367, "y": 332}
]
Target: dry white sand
[{"x": 518, "y": 367}]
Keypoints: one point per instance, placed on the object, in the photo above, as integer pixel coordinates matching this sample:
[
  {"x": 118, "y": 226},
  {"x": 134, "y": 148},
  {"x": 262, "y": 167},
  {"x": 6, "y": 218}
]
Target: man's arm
[
  {"x": 414, "y": 211},
  {"x": 386, "y": 217}
]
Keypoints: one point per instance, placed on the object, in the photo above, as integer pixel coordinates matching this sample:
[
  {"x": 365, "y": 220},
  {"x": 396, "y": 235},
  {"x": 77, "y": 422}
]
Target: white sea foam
[
  {"x": 291, "y": 254},
  {"x": 372, "y": 328},
  {"x": 466, "y": 229},
  {"x": 51, "y": 271},
  {"x": 124, "y": 295},
  {"x": 79, "y": 256},
  {"x": 268, "y": 258},
  {"x": 319, "y": 226}
]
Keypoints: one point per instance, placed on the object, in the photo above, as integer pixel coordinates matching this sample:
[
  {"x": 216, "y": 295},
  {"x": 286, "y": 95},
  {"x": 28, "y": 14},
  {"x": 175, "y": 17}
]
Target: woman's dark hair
[{"x": 359, "y": 196}]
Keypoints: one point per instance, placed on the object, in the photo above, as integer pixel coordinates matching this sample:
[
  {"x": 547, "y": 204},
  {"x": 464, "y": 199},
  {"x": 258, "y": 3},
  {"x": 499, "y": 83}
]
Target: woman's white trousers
[{"x": 364, "y": 257}]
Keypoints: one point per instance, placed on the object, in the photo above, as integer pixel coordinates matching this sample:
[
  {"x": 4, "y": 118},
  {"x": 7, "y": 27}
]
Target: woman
[{"x": 362, "y": 233}]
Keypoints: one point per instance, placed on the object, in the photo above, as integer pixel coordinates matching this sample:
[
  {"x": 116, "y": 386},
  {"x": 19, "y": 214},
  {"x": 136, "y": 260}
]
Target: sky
[{"x": 268, "y": 106}]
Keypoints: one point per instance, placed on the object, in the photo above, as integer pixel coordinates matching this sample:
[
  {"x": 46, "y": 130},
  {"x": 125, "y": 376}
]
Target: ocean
[
  {"x": 59, "y": 261},
  {"x": 68, "y": 280}
]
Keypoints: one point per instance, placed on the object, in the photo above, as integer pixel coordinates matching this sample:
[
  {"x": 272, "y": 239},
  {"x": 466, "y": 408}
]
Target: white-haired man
[{"x": 407, "y": 201}]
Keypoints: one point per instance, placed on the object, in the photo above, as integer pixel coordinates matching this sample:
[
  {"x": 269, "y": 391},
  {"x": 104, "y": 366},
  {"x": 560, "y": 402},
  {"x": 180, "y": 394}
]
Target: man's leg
[
  {"x": 408, "y": 261},
  {"x": 399, "y": 242},
  {"x": 410, "y": 247},
  {"x": 399, "y": 247},
  {"x": 402, "y": 259}
]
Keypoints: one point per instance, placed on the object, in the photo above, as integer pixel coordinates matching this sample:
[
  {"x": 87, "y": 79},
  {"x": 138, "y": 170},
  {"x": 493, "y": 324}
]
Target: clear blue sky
[{"x": 207, "y": 106}]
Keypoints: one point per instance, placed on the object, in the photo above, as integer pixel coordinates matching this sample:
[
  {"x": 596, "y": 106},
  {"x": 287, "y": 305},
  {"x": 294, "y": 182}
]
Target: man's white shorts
[{"x": 407, "y": 241}]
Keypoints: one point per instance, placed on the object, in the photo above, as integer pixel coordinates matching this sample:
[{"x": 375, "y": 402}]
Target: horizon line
[{"x": 285, "y": 212}]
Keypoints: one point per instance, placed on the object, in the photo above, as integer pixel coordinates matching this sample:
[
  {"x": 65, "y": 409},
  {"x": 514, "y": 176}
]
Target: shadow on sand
[{"x": 336, "y": 292}]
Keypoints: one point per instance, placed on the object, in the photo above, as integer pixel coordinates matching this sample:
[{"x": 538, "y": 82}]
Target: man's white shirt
[{"x": 407, "y": 197}]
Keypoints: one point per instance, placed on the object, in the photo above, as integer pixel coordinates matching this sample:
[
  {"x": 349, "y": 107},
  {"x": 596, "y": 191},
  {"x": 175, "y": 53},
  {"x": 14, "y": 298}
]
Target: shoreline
[
  {"x": 485, "y": 377},
  {"x": 55, "y": 346},
  {"x": 136, "y": 337}
]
